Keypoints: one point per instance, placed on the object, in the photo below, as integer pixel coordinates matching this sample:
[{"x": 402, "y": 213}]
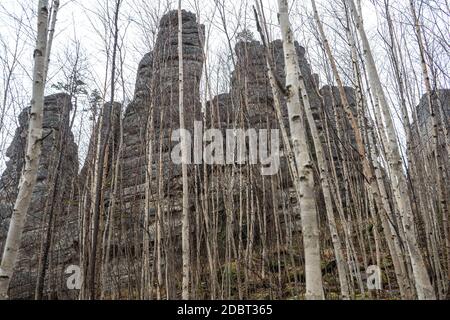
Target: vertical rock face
[
  {"x": 441, "y": 100},
  {"x": 422, "y": 134},
  {"x": 133, "y": 162},
  {"x": 423, "y": 139},
  {"x": 250, "y": 84},
  {"x": 157, "y": 90},
  {"x": 441, "y": 104},
  {"x": 156, "y": 98},
  {"x": 251, "y": 87},
  {"x": 160, "y": 72},
  {"x": 166, "y": 71},
  {"x": 63, "y": 242},
  {"x": 134, "y": 135}
]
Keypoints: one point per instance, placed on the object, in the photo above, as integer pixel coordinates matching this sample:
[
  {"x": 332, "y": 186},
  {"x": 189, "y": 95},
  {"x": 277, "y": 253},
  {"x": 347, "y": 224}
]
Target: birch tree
[
  {"x": 295, "y": 87},
  {"x": 185, "y": 233},
  {"x": 33, "y": 152},
  {"x": 53, "y": 188}
]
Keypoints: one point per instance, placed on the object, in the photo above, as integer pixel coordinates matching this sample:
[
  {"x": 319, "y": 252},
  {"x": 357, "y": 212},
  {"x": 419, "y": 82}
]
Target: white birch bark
[
  {"x": 308, "y": 211},
  {"x": 33, "y": 153},
  {"x": 340, "y": 261},
  {"x": 145, "y": 278},
  {"x": 51, "y": 35},
  {"x": 185, "y": 233}
]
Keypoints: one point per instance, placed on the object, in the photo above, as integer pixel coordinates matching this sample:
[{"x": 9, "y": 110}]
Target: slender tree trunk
[
  {"x": 33, "y": 153},
  {"x": 53, "y": 184},
  {"x": 51, "y": 35},
  {"x": 308, "y": 211},
  {"x": 108, "y": 114},
  {"x": 184, "y": 154},
  {"x": 148, "y": 200}
]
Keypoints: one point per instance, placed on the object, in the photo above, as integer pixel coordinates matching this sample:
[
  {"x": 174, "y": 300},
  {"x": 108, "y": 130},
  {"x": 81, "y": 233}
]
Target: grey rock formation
[
  {"x": 441, "y": 100},
  {"x": 422, "y": 135},
  {"x": 63, "y": 250},
  {"x": 156, "y": 97},
  {"x": 157, "y": 90}
]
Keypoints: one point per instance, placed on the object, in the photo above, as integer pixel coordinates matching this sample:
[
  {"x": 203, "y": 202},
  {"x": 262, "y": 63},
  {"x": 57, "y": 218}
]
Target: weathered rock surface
[
  {"x": 422, "y": 135},
  {"x": 156, "y": 98},
  {"x": 63, "y": 250}
]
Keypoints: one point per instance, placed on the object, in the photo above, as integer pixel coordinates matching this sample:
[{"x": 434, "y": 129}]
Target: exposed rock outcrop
[
  {"x": 422, "y": 134},
  {"x": 156, "y": 98},
  {"x": 65, "y": 231}
]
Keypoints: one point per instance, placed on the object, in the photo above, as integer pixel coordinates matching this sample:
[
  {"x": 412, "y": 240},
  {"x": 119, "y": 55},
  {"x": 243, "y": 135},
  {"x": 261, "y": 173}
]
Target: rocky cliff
[{"x": 58, "y": 202}]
